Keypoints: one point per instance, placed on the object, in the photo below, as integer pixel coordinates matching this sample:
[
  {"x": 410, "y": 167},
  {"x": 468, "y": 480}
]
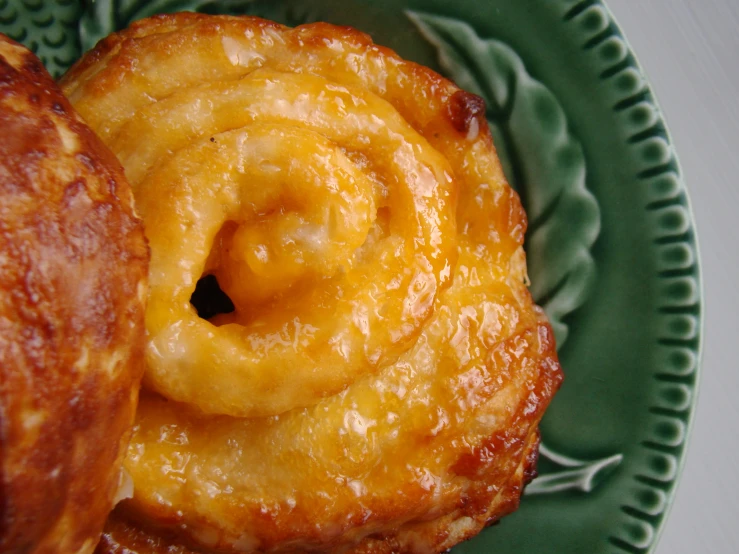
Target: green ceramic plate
[{"x": 611, "y": 242}]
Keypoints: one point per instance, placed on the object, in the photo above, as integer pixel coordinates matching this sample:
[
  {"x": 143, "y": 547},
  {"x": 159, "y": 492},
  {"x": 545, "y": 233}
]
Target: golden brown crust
[
  {"x": 73, "y": 262},
  {"x": 123, "y": 535},
  {"x": 386, "y": 403}
]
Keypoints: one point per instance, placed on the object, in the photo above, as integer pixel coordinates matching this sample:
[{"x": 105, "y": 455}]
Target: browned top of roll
[{"x": 73, "y": 266}]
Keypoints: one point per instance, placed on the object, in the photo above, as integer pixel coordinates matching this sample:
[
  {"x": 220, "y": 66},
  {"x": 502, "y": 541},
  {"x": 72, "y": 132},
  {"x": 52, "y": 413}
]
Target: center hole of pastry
[{"x": 209, "y": 300}]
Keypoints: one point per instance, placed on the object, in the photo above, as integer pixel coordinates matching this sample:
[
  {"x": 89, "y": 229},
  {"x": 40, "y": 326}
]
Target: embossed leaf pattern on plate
[
  {"x": 546, "y": 165},
  {"x": 541, "y": 159}
]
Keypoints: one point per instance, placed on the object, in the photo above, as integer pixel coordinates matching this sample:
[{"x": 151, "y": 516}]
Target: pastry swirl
[{"x": 378, "y": 386}]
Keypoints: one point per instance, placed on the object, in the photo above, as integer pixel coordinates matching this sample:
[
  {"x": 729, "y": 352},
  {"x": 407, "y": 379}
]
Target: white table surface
[{"x": 689, "y": 50}]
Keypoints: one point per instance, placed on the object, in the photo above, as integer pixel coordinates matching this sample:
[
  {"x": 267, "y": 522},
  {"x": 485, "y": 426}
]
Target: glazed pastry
[
  {"x": 73, "y": 269},
  {"x": 378, "y": 384}
]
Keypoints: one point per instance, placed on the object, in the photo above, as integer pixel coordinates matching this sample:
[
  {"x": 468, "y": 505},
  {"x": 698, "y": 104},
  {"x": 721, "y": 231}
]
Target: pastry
[
  {"x": 376, "y": 379},
  {"x": 73, "y": 274}
]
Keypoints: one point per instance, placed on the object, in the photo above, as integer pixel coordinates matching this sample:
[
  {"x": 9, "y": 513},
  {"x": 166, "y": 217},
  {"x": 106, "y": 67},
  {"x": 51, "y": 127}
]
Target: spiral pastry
[
  {"x": 73, "y": 265},
  {"x": 379, "y": 382}
]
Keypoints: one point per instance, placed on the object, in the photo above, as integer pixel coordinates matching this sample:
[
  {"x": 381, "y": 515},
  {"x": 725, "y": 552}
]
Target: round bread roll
[
  {"x": 376, "y": 381},
  {"x": 73, "y": 278}
]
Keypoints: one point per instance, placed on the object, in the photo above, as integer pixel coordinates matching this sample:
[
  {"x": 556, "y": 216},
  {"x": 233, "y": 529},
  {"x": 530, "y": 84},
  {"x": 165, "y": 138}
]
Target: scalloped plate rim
[{"x": 694, "y": 241}]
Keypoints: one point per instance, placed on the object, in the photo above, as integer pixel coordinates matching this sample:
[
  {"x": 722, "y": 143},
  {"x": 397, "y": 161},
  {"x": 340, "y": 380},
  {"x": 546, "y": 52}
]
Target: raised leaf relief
[
  {"x": 545, "y": 164},
  {"x": 574, "y": 475},
  {"x": 541, "y": 159}
]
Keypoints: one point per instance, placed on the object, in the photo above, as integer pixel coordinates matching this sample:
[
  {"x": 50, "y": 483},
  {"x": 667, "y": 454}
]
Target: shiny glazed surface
[
  {"x": 379, "y": 385},
  {"x": 73, "y": 263}
]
